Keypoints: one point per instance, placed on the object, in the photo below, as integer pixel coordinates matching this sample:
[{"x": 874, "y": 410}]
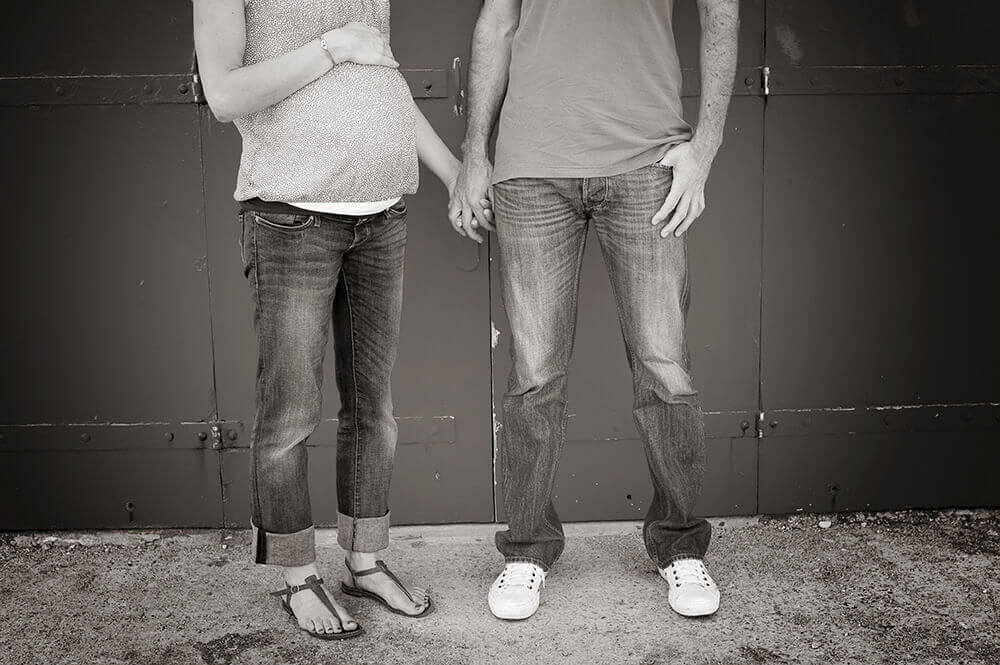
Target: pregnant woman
[{"x": 331, "y": 139}]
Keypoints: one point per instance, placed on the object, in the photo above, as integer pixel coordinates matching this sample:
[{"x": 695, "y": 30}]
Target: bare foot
[
  {"x": 310, "y": 611},
  {"x": 381, "y": 584}
]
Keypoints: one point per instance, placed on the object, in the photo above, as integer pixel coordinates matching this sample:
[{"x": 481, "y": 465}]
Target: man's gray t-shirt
[{"x": 594, "y": 89}]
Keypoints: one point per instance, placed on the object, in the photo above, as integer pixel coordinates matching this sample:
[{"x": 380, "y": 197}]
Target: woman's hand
[
  {"x": 360, "y": 43},
  {"x": 469, "y": 209},
  {"x": 456, "y": 212}
]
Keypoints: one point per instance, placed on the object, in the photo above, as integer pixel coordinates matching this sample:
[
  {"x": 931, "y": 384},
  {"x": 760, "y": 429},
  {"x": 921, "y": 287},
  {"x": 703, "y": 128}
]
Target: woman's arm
[
  {"x": 435, "y": 155},
  {"x": 233, "y": 90},
  {"x": 432, "y": 151}
]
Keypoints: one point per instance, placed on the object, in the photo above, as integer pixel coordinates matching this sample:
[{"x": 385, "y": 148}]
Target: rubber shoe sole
[
  {"x": 514, "y": 613},
  {"x": 695, "y": 609}
]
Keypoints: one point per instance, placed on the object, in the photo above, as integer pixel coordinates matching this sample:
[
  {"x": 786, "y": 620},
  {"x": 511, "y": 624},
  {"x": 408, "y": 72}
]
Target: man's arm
[
  {"x": 488, "y": 72},
  {"x": 692, "y": 161}
]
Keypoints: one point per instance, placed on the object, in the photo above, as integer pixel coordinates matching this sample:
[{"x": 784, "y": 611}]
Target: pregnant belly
[{"x": 353, "y": 105}]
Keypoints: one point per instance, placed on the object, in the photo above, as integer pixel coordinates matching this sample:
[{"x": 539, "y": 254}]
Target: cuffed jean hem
[
  {"x": 363, "y": 534},
  {"x": 527, "y": 559},
  {"x": 678, "y": 557},
  {"x": 284, "y": 549}
]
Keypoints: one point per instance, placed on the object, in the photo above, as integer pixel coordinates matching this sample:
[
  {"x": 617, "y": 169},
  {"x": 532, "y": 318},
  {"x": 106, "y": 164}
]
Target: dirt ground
[{"x": 906, "y": 587}]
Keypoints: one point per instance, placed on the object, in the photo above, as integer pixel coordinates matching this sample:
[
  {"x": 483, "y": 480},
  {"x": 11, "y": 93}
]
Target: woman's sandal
[
  {"x": 353, "y": 589},
  {"x": 313, "y": 583}
]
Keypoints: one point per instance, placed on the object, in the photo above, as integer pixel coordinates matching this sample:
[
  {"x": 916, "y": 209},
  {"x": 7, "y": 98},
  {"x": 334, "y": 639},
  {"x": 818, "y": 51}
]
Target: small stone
[
  {"x": 814, "y": 645},
  {"x": 825, "y": 524}
]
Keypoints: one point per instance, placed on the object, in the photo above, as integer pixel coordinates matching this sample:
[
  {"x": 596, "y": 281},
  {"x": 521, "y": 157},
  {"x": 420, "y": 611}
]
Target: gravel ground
[{"x": 904, "y": 587}]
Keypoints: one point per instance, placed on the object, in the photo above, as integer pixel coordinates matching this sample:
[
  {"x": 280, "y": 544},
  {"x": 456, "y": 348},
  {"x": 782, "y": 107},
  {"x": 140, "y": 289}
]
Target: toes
[
  {"x": 346, "y": 620},
  {"x": 330, "y": 625},
  {"x": 420, "y": 598},
  {"x": 420, "y": 603},
  {"x": 307, "y": 624}
]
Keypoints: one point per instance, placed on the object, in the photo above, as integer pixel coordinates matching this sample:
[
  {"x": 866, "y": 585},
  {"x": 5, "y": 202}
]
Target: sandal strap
[
  {"x": 289, "y": 590},
  {"x": 380, "y": 567},
  {"x": 315, "y": 584}
]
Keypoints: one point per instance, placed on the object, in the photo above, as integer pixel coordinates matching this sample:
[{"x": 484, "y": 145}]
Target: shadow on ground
[{"x": 907, "y": 587}]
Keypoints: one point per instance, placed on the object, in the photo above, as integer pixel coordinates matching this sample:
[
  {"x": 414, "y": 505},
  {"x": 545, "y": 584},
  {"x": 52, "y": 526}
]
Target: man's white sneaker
[
  {"x": 516, "y": 592},
  {"x": 692, "y": 591}
]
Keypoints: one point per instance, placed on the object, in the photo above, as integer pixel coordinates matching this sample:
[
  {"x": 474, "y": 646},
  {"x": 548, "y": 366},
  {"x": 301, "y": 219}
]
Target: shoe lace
[
  {"x": 521, "y": 574},
  {"x": 689, "y": 571}
]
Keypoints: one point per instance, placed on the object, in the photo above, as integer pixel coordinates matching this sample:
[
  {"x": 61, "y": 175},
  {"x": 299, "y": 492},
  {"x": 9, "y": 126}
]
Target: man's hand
[
  {"x": 686, "y": 200},
  {"x": 469, "y": 208},
  {"x": 691, "y": 161}
]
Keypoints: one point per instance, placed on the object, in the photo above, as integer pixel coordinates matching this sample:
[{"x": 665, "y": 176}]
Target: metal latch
[{"x": 458, "y": 97}]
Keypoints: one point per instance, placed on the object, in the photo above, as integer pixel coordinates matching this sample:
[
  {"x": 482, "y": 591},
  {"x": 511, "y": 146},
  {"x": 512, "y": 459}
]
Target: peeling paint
[
  {"x": 911, "y": 16},
  {"x": 98, "y": 424},
  {"x": 889, "y": 407},
  {"x": 494, "y": 335},
  {"x": 899, "y": 407},
  {"x": 788, "y": 42}
]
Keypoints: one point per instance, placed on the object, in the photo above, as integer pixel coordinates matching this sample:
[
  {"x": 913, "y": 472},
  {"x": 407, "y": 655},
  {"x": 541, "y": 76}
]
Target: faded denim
[
  {"x": 306, "y": 270},
  {"x": 542, "y": 228}
]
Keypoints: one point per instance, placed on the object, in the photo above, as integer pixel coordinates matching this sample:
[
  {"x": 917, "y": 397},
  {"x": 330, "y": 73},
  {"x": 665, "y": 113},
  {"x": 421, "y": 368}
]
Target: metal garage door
[
  {"x": 840, "y": 327},
  {"x": 881, "y": 373}
]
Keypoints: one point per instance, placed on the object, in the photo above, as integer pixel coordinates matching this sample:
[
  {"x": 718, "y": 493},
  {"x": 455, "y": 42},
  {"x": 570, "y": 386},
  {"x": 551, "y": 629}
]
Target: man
[{"x": 591, "y": 133}]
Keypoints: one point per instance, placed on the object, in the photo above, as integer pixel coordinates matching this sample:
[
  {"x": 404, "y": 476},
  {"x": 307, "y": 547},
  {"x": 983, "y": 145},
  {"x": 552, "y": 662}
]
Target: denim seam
[
  {"x": 678, "y": 557},
  {"x": 527, "y": 559},
  {"x": 685, "y": 305},
  {"x": 259, "y": 387},
  {"x": 606, "y": 200},
  {"x": 576, "y": 297},
  {"x": 241, "y": 243},
  {"x": 576, "y": 316},
  {"x": 619, "y": 306},
  {"x": 281, "y": 228},
  {"x": 354, "y": 417}
]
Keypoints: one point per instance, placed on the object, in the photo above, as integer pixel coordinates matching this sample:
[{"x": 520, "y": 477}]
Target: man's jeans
[
  {"x": 542, "y": 227},
  {"x": 305, "y": 270}
]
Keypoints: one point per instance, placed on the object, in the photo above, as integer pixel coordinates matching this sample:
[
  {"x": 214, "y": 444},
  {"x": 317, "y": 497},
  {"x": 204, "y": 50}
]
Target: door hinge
[
  {"x": 760, "y": 424},
  {"x": 765, "y": 80}
]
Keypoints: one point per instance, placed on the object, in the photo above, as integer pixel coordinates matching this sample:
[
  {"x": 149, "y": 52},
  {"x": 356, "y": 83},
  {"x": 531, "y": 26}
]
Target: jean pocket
[
  {"x": 284, "y": 222},
  {"x": 662, "y": 166},
  {"x": 397, "y": 209}
]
